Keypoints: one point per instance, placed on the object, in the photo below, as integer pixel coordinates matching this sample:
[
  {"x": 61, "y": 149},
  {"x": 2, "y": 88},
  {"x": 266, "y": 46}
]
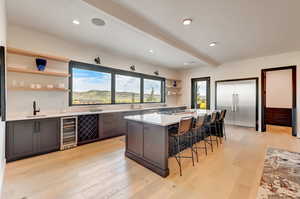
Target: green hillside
[{"x": 104, "y": 97}]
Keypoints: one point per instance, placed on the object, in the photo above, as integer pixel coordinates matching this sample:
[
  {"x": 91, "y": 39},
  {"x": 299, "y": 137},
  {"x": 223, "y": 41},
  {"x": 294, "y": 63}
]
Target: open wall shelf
[
  {"x": 37, "y": 55},
  {"x": 48, "y": 73}
]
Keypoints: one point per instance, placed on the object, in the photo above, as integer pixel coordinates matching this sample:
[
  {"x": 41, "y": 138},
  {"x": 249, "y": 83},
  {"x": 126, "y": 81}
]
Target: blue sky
[
  {"x": 85, "y": 80},
  {"x": 201, "y": 88},
  {"x": 149, "y": 84}
]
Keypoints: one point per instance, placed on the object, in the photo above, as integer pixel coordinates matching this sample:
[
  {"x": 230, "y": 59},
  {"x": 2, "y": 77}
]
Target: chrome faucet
[{"x": 35, "y": 110}]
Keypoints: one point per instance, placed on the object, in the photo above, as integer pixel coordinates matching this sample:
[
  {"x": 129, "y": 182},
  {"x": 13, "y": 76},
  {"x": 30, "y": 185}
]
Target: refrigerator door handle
[
  {"x": 236, "y": 102},
  {"x": 232, "y": 104}
]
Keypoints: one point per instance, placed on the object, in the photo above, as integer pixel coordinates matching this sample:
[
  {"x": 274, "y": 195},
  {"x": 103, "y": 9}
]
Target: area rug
[{"x": 281, "y": 175}]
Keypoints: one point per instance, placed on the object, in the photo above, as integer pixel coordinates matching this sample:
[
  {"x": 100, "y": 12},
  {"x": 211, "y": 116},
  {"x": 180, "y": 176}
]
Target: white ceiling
[
  {"x": 55, "y": 17},
  {"x": 242, "y": 28}
]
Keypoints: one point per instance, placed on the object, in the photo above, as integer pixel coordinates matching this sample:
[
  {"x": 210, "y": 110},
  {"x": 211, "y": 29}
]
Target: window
[
  {"x": 128, "y": 89},
  {"x": 90, "y": 87},
  {"x": 93, "y": 84},
  {"x": 201, "y": 93},
  {"x": 152, "y": 90}
]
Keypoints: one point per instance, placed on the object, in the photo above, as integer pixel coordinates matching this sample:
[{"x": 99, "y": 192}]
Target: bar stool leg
[
  {"x": 219, "y": 125},
  {"x": 192, "y": 150},
  {"x": 211, "y": 143},
  {"x": 195, "y": 141},
  {"x": 179, "y": 152},
  {"x": 215, "y": 132},
  {"x": 224, "y": 132},
  {"x": 203, "y": 138}
]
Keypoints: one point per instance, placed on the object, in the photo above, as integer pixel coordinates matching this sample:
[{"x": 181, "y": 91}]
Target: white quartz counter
[
  {"x": 167, "y": 119},
  {"x": 72, "y": 113}
]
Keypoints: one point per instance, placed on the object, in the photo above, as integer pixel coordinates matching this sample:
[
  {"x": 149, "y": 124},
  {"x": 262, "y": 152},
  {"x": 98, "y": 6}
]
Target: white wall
[
  {"x": 20, "y": 37},
  {"x": 2, "y": 124},
  {"x": 2, "y": 23},
  {"x": 240, "y": 69},
  {"x": 279, "y": 89}
]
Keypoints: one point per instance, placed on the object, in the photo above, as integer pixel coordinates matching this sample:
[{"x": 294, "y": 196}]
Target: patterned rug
[{"x": 281, "y": 175}]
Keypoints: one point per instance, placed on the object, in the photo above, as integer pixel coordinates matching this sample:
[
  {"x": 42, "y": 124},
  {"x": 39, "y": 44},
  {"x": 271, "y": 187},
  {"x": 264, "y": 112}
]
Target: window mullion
[
  {"x": 113, "y": 87},
  {"x": 142, "y": 90}
]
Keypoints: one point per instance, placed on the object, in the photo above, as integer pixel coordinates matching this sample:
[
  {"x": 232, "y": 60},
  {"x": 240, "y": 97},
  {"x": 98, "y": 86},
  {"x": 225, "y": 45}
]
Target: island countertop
[{"x": 162, "y": 119}]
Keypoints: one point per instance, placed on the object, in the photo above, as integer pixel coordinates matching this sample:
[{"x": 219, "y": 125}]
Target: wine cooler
[{"x": 68, "y": 133}]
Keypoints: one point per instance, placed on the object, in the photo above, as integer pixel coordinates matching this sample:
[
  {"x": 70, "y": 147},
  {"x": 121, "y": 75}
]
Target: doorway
[
  {"x": 201, "y": 93},
  {"x": 240, "y": 99},
  {"x": 279, "y": 107}
]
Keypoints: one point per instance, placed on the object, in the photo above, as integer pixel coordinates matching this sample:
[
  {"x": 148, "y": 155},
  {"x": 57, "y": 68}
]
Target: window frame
[
  {"x": 114, "y": 72},
  {"x": 2, "y": 84}
]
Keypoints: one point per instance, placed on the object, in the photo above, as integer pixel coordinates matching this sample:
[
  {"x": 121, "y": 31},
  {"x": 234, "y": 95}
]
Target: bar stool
[
  {"x": 183, "y": 131},
  {"x": 199, "y": 130},
  {"x": 221, "y": 123},
  {"x": 213, "y": 124}
]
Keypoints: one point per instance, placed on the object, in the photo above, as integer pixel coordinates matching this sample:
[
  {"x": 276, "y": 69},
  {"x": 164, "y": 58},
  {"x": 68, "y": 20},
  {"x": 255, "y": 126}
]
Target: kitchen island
[{"x": 147, "y": 138}]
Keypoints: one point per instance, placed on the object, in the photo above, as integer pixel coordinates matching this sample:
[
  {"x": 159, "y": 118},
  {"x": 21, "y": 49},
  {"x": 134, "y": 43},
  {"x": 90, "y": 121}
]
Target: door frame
[
  {"x": 2, "y": 84},
  {"x": 256, "y": 91},
  {"x": 193, "y": 80},
  {"x": 294, "y": 90}
]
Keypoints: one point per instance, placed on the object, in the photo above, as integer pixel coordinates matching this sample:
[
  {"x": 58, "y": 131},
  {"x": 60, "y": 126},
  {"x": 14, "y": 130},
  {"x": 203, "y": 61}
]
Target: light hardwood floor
[
  {"x": 279, "y": 129},
  {"x": 100, "y": 170}
]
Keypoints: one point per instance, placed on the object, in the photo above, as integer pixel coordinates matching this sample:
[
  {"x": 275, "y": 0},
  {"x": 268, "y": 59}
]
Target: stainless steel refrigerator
[{"x": 239, "y": 99}]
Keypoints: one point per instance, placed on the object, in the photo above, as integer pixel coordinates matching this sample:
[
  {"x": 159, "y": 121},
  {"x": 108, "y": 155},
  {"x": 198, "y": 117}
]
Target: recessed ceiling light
[
  {"x": 76, "y": 22},
  {"x": 98, "y": 22},
  {"x": 151, "y": 51},
  {"x": 212, "y": 44},
  {"x": 187, "y": 22}
]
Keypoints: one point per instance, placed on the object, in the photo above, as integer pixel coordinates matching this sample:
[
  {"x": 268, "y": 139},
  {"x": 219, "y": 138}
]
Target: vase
[
  {"x": 41, "y": 64},
  {"x": 174, "y": 84}
]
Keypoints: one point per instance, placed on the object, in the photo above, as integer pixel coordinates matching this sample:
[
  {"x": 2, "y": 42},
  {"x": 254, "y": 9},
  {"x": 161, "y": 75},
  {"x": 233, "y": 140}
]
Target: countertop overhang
[{"x": 161, "y": 119}]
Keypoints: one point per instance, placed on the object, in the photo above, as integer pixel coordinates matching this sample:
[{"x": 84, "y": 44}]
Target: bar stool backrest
[
  {"x": 185, "y": 125},
  {"x": 200, "y": 121},
  {"x": 223, "y": 114},
  {"x": 213, "y": 117}
]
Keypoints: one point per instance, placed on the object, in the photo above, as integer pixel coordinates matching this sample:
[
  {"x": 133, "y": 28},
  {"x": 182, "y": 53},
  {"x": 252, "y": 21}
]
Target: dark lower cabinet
[
  {"x": 20, "y": 140},
  {"x": 110, "y": 125},
  {"x": 113, "y": 124},
  {"x": 31, "y": 137},
  {"x": 49, "y": 135}
]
